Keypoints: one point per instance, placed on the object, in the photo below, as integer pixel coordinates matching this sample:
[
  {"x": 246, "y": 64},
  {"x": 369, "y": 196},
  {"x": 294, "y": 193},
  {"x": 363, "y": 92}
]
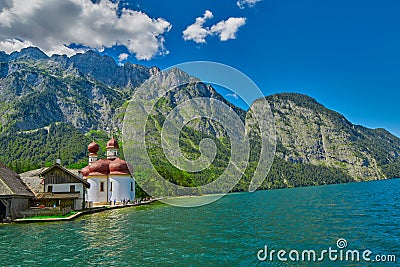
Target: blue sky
[{"x": 344, "y": 53}]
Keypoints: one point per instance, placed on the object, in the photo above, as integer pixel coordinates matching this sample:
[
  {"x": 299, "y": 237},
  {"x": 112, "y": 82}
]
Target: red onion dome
[
  {"x": 99, "y": 167},
  {"x": 85, "y": 171},
  {"x": 112, "y": 143},
  {"x": 93, "y": 148},
  {"x": 119, "y": 166}
]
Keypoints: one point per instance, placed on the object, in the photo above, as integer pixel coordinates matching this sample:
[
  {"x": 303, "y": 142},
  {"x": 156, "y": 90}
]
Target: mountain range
[{"x": 52, "y": 107}]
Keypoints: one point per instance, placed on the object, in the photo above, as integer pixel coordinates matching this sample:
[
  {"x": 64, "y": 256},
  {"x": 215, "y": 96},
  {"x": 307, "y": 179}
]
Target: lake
[{"x": 229, "y": 232}]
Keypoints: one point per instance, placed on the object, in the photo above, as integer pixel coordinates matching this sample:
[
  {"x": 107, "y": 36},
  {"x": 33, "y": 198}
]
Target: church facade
[{"x": 110, "y": 179}]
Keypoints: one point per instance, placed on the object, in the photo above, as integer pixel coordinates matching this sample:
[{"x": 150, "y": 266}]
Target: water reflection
[{"x": 228, "y": 232}]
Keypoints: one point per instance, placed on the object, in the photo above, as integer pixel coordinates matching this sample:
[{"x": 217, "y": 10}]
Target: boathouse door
[{"x": 3, "y": 211}]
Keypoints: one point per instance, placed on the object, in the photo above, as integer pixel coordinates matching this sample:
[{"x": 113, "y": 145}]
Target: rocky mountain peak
[
  {"x": 308, "y": 132},
  {"x": 90, "y": 92},
  {"x": 3, "y": 56},
  {"x": 29, "y": 52}
]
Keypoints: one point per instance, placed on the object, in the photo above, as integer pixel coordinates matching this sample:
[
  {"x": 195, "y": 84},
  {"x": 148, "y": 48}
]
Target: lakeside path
[{"x": 81, "y": 213}]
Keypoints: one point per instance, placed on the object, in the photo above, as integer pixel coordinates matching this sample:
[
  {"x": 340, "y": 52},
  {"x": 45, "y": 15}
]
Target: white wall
[
  {"x": 121, "y": 188},
  {"x": 66, "y": 188},
  {"x": 94, "y": 193}
]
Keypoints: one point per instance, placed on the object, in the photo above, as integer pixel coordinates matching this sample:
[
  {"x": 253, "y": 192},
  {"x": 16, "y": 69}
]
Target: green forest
[{"x": 40, "y": 148}]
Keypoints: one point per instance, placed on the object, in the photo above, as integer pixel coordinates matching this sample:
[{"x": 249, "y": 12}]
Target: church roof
[
  {"x": 119, "y": 166},
  {"x": 103, "y": 167},
  {"x": 109, "y": 166},
  {"x": 112, "y": 143},
  {"x": 11, "y": 183},
  {"x": 93, "y": 147}
]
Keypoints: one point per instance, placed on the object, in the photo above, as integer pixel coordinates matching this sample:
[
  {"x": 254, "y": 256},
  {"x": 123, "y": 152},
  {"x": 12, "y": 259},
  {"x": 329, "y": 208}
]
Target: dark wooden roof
[
  {"x": 42, "y": 174},
  {"x": 11, "y": 184},
  {"x": 32, "y": 180}
]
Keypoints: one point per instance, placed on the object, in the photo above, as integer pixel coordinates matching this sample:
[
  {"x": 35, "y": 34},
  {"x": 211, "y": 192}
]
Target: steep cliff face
[
  {"x": 104, "y": 69},
  {"x": 309, "y": 133},
  {"x": 88, "y": 94},
  {"x": 187, "y": 91},
  {"x": 181, "y": 87},
  {"x": 87, "y": 90}
]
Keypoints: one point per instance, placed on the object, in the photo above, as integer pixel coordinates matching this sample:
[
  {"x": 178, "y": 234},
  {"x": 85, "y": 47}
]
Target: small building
[
  {"x": 62, "y": 188},
  {"x": 33, "y": 181},
  {"x": 15, "y": 196},
  {"x": 110, "y": 179}
]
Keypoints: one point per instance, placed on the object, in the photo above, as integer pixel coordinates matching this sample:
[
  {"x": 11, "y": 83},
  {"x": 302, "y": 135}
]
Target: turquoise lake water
[{"x": 229, "y": 232}]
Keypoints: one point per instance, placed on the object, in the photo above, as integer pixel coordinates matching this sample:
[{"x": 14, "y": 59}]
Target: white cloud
[
  {"x": 54, "y": 25},
  {"x": 64, "y": 50},
  {"x": 251, "y": 3},
  {"x": 227, "y": 29},
  {"x": 233, "y": 95},
  {"x": 122, "y": 57},
  {"x": 10, "y": 45},
  {"x": 196, "y": 32}
]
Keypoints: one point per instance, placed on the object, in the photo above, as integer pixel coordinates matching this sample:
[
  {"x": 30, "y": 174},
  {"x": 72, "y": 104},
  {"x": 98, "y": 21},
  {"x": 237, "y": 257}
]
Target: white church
[{"x": 110, "y": 179}]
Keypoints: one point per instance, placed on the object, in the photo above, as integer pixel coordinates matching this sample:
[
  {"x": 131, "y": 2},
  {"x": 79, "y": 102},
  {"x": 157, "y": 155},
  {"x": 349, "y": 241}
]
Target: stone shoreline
[{"x": 84, "y": 212}]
